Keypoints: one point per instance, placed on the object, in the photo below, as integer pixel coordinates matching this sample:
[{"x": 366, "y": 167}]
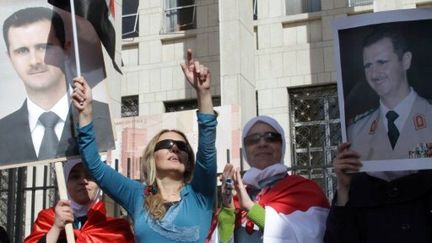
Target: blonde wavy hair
[{"x": 154, "y": 202}]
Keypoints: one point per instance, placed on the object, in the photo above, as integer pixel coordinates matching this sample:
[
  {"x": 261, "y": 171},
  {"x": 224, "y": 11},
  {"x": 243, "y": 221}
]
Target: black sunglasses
[
  {"x": 269, "y": 137},
  {"x": 169, "y": 143}
]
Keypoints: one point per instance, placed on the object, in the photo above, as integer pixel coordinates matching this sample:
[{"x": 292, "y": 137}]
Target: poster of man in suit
[
  {"x": 37, "y": 121},
  {"x": 385, "y": 94}
]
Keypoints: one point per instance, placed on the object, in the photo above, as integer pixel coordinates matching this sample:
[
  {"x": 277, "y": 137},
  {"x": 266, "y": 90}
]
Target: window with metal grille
[
  {"x": 189, "y": 104},
  {"x": 353, "y": 3},
  {"x": 315, "y": 133},
  {"x": 129, "y": 106},
  {"x": 24, "y": 191},
  {"x": 130, "y": 17},
  {"x": 179, "y": 15},
  {"x": 302, "y": 6}
]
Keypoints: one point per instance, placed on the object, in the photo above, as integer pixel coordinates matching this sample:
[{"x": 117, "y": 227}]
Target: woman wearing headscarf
[
  {"x": 270, "y": 205},
  {"x": 175, "y": 201},
  {"x": 83, "y": 209}
]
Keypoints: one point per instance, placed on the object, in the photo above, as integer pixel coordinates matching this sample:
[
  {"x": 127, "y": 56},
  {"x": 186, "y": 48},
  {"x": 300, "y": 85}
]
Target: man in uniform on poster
[
  {"x": 403, "y": 121},
  {"x": 43, "y": 128},
  {"x": 384, "y": 205}
]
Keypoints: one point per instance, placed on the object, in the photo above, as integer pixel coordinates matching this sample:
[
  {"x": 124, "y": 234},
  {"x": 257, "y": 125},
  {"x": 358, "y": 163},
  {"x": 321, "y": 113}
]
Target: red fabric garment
[
  {"x": 111, "y": 6},
  {"x": 294, "y": 193},
  {"x": 213, "y": 225},
  {"x": 97, "y": 229},
  {"x": 286, "y": 196}
]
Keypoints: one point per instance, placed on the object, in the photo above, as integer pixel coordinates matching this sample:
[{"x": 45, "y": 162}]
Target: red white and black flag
[{"x": 97, "y": 12}]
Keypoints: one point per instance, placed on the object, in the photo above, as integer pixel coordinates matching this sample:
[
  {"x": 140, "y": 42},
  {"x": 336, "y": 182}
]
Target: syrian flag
[
  {"x": 296, "y": 210},
  {"x": 98, "y": 13}
]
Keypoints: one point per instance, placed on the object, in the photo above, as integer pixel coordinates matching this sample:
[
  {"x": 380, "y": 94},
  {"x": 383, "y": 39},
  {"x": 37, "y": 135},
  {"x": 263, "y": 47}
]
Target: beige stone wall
[
  {"x": 237, "y": 57},
  {"x": 152, "y": 60}
]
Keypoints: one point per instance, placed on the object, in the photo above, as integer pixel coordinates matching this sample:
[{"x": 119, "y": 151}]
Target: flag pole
[
  {"x": 75, "y": 38},
  {"x": 61, "y": 184},
  {"x": 59, "y": 166}
]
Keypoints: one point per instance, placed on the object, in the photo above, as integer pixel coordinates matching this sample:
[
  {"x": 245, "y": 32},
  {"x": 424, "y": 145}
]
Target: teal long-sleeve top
[{"x": 186, "y": 221}]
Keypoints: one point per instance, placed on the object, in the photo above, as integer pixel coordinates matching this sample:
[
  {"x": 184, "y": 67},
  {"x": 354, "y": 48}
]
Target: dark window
[
  {"x": 130, "y": 17},
  {"x": 315, "y": 133},
  {"x": 129, "y": 106},
  {"x": 180, "y": 15},
  {"x": 183, "y": 105},
  {"x": 302, "y": 6},
  {"x": 255, "y": 9}
]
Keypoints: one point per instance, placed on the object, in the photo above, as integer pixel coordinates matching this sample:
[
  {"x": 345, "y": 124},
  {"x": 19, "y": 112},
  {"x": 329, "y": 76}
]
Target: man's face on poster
[
  {"x": 385, "y": 71},
  {"x": 37, "y": 56}
]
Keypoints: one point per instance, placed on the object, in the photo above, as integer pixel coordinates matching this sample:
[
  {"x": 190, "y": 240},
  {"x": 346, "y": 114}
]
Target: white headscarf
[
  {"x": 254, "y": 175},
  {"x": 78, "y": 209}
]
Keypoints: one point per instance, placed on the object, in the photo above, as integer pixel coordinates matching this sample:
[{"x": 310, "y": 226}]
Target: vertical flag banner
[{"x": 97, "y": 13}]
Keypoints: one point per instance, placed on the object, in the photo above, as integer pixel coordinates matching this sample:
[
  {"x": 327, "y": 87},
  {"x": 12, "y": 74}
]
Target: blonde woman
[{"x": 174, "y": 204}]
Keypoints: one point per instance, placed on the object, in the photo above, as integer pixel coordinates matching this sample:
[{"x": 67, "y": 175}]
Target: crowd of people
[{"x": 176, "y": 200}]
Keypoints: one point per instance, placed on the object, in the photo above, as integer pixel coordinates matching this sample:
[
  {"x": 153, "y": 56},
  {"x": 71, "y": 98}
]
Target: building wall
[
  {"x": 266, "y": 56},
  {"x": 237, "y": 62},
  {"x": 151, "y": 61}
]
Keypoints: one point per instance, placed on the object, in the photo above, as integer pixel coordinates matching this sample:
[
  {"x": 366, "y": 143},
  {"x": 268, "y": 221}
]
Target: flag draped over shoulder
[
  {"x": 292, "y": 194},
  {"x": 296, "y": 211},
  {"x": 97, "y": 229},
  {"x": 97, "y": 13}
]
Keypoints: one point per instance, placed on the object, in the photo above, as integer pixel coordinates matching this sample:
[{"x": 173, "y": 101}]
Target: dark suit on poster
[{"x": 16, "y": 145}]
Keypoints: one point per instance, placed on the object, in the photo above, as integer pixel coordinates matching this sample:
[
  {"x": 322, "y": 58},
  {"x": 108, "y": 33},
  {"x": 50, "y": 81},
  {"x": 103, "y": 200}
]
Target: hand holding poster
[{"x": 383, "y": 72}]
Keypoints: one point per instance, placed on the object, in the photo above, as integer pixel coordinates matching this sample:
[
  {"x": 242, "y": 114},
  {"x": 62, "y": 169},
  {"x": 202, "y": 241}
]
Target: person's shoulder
[
  {"x": 425, "y": 99},
  {"x": 308, "y": 188},
  {"x": 423, "y": 105},
  {"x": 100, "y": 104},
  {"x": 7, "y": 119},
  {"x": 297, "y": 181},
  {"x": 46, "y": 214},
  {"x": 3, "y": 232},
  {"x": 13, "y": 119},
  {"x": 361, "y": 117},
  {"x": 300, "y": 180},
  {"x": 100, "y": 110}
]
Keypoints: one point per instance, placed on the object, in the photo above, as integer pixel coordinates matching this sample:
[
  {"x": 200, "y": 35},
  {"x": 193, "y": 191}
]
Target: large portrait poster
[
  {"x": 384, "y": 68},
  {"x": 37, "y": 66}
]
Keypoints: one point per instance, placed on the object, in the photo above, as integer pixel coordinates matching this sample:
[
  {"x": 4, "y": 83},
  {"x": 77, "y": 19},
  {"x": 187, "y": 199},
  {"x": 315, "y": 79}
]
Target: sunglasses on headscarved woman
[
  {"x": 269, "y": 137},
  {"x": 169, "y": 143}
]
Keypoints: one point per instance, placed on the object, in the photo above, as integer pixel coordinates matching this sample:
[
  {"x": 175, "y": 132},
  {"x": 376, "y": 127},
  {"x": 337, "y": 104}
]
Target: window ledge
[
  {"x": 301, "y": 17},
  {"x": 130, "y": 41},
  {"x": 361, "y": 9},
  {"x": 184, "y": 34}
]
